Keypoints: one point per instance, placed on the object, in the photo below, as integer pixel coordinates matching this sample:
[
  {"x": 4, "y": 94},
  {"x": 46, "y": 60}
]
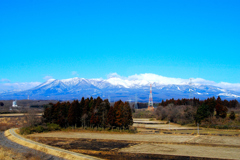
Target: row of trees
[
  {"x": 211, "y": 105},
  {"x": 197, "y": 102},
  {"x": 182, "y": 101},
  {"x": 89, "y": 113},
  {"x": 195, "y": 109}
]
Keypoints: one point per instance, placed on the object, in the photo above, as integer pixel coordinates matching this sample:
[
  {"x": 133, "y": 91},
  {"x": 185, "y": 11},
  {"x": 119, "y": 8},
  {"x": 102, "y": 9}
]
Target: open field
[
  {"x": 148, "y": 126},
  {"x": 180, "y": 144},
  {"x": 108, "y": 149},
  {"x": 149, "y": 143},
  {"x": 152, "y": 138},
  {"x": 111, "y": 145}
]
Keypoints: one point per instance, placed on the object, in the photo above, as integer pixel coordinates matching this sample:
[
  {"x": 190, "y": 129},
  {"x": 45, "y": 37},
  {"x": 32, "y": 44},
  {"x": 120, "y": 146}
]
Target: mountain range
[{"x": 126, "y": 89}]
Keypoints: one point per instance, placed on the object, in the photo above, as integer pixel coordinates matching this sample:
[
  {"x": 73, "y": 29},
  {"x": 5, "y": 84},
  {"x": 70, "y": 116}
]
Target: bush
[
  {"x": 53, "y": 127},
  {"x": 25, "y": 130},
  {"x": 39, "y": 128},
  {"x": 232, "y": 115}
]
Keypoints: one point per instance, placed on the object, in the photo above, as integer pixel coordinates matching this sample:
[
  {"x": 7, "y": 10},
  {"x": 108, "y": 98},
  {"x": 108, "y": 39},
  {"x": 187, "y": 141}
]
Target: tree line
[
  {"x": 195, "y": 109},
  {"x": 89, "y": 112},
  {"x": 196, "y": 102},
  {"x": 218, "y": 106}
]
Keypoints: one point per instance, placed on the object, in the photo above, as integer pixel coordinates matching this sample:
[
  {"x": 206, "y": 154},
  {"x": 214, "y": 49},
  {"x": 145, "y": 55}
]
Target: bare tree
[{"x": 31, "y": 118}]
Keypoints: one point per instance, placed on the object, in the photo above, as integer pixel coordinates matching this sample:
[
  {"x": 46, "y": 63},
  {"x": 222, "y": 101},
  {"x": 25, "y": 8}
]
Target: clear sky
[{"x": 90, "y": 39}]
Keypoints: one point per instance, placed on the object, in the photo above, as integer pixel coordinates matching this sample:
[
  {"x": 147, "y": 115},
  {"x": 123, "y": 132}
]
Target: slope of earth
[{"x": 26, "y": 152}]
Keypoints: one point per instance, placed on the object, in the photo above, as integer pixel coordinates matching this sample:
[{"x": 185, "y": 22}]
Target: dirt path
[
  {"x": 6, "y": 143},
  {"x": 17, "y": 115}
]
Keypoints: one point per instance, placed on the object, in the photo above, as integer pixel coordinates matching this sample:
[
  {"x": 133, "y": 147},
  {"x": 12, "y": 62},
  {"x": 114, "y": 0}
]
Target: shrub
[
  {"x": 232, "y": 115},
  {"x": 39, "y": 129},
  {"x": 25, "y": 130},
  {"x": 53, "y": 127}
]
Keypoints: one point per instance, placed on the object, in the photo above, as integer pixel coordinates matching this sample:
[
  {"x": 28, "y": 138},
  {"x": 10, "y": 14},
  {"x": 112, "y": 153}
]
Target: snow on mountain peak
[
  {"x": 135, "y": 81},
  {"x": 120, "y": 87},
  {"x": 144, "y": 79}
]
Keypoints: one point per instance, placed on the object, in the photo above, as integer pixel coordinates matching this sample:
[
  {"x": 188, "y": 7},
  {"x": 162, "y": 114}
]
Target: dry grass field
[
  {"x": 153, "y": 126},
  {"x": 149, "y": 143},
  {"x": 11, "y": 122},
  {"x": 8, "y": 154},
  {"x": 182, "y": 143},
  {"x": 113, "y": 145},
  {"x": 18, "y": 120}
]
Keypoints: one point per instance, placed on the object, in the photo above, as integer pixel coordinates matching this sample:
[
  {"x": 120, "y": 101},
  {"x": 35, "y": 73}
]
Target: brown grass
[
  {"x": 11, "y": 122},
  {"x": 100, "y": 130},
  {"x": 8, "y": 154},
  {"x": 17, "y": 122},
  {"x": 143, "y": 113}
]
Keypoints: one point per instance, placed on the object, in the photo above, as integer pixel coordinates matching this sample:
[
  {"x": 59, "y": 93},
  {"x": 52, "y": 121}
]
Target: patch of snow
[{"x": 229, "y": 95}]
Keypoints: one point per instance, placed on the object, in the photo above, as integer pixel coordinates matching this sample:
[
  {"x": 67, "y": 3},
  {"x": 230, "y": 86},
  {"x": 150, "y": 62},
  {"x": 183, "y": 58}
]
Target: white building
[{"x": 14, "y": 104}]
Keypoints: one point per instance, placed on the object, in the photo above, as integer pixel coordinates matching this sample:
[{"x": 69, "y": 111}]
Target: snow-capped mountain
[{"x": 125, "y": 88}]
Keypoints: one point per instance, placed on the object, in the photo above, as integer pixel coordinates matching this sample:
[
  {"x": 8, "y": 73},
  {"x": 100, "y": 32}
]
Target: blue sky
[{"x": 90, "y": 39}]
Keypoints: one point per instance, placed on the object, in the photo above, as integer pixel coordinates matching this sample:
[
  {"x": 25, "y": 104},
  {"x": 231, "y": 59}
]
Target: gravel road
[{"x": 6, "y": 143}]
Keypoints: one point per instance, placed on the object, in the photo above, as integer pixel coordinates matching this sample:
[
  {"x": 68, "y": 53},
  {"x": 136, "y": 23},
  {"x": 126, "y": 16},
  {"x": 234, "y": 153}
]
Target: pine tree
[
  {"x": 221, "y": 111},
  {"x": 118, "y": 112},
  {"x": 111, "y": 117},
  {"x": 92, "y": 120},
  {"x": 85, "y": 105},
  {"x": 127, "y": 115},
  {"x": 73, "y": 113},
  {"x": 202, "y": 113}
]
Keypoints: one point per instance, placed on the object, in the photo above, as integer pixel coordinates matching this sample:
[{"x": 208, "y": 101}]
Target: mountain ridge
[{"x": 126, "y": 88}]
